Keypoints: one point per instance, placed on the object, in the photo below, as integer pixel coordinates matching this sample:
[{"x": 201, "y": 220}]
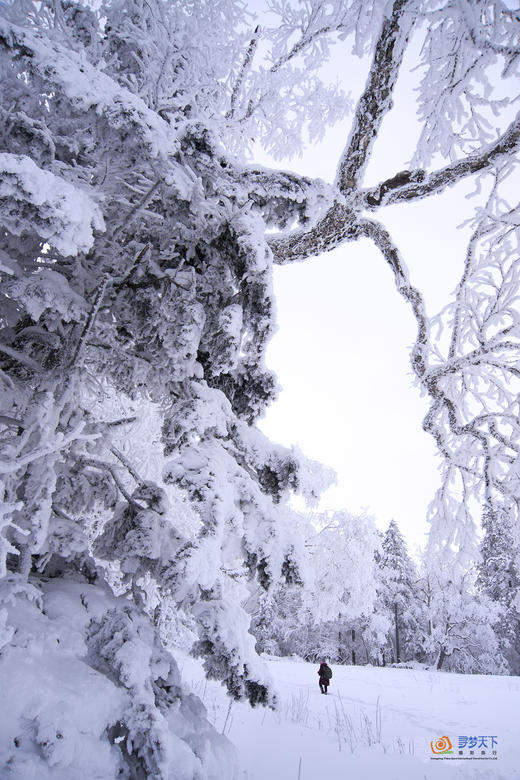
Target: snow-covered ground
[{"x": 374, "y": 723}]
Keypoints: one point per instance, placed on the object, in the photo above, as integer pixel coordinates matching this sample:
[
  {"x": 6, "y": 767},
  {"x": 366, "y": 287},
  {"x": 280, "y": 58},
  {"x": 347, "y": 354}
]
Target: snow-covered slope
[
  {"x": 374, "y": 723},
  {"x": 70, "y": 716}
]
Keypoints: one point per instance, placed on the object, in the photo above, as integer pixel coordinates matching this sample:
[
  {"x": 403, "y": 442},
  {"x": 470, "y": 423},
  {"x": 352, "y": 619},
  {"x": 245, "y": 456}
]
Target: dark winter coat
[{"x": 325, "y": 673}]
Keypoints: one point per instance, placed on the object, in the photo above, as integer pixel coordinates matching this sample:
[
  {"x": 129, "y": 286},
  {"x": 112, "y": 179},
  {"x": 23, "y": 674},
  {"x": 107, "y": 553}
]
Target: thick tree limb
[
  {"x": 413, "y": 185},
  {"x": 336, "y": 227},
  {"x": 339, "y": 224},
  {"x": 374, "y": 103},
  {"x": 285, "y": 196},
  {"x": 376, "y": 100}
]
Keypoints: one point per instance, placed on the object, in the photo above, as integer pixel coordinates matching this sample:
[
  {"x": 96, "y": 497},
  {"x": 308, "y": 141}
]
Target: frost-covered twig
[
  {"x": 118, "y": 283},
  {"x": 121, "y": 421},
  {"x": 137, "y": 209},
  {"x": 74, "y": 363},
  {"x": 20, "y": 357},
  {"x": 111, "y": 468},
  {"x": 227, "y": 715},
  {"x": 126, "y": 463},
  {"x": 250, "y": 53},
  {"x": 60, "y": 442},
  {"x": 300, "y": 46}
]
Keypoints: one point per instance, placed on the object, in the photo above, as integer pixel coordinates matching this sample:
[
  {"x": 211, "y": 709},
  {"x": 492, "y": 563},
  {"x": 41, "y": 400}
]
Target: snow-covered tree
[
  {"x": 398, "y": 595},
  {"x": 135, "y": 311},
  {"x": 499, "y": 579},
  {"x": 334, "y": 594},
  {"x": 136, "y": 307},
  {"x": 279, "y": 621},
  {"x": 343, "y": 568},
  {"x": 459, "y": 630}
]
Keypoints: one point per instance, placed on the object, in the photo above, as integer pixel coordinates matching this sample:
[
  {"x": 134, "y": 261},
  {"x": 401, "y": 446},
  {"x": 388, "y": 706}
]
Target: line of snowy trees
[
  {"x": 138, "y": 498},
  {"x": 364, "y": 600}
]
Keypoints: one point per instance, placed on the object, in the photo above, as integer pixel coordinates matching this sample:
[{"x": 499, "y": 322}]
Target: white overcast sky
[{"x": 341, "y": 353}]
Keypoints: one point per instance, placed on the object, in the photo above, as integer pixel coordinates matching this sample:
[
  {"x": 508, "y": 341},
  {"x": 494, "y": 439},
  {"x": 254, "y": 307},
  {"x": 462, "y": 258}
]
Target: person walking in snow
[{"x": 325, "y": 673}]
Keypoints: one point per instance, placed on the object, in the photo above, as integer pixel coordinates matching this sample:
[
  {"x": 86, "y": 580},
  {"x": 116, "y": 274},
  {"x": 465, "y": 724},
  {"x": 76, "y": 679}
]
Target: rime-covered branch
[
  {"x": 250, "y": 53},
  {"x": 376, "y": 100},
  {"x": 336, "y": 227},
  {"x": 382, "y": 239},
  {"x": 284, "y": 196},
  {"x": 414, "y": 185}
]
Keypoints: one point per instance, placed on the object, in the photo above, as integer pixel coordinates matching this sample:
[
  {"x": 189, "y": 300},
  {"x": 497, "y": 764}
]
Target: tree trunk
[
  {"x": 353, "y": 651},
  {"x": 397, "y": 648},
  {"x": 440, "y": 660},
  {"x": 366, "y": 649}
]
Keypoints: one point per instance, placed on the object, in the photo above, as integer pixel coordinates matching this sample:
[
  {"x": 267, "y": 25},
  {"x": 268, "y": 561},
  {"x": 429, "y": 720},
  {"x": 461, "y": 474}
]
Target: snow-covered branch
[
  {"x": 336, "y": 227},
  {"x": 376, "y": 100},
  {"x": 284, "y": 196},
  {"x": 414, "y": 185},
  {"x": 61, "y": 214},
  {"x": 383, "y": 240},
  {"x": 340, "y": 223},
  {"x": 250, "y": 53},
  {"x": 88, "y": 87}
]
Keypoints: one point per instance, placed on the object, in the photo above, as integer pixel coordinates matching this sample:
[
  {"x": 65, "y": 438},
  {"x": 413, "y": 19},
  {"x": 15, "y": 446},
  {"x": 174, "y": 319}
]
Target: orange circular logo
[{"x": 441, "y": 745}]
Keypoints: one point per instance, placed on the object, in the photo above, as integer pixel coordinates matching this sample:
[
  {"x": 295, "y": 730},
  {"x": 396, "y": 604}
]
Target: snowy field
[{"x": 374, "y": 723}]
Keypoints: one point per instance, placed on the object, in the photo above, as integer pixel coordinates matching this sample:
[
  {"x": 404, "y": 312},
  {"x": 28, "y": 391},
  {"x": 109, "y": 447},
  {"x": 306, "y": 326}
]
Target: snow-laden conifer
[{"x": 397, "y": 576}]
